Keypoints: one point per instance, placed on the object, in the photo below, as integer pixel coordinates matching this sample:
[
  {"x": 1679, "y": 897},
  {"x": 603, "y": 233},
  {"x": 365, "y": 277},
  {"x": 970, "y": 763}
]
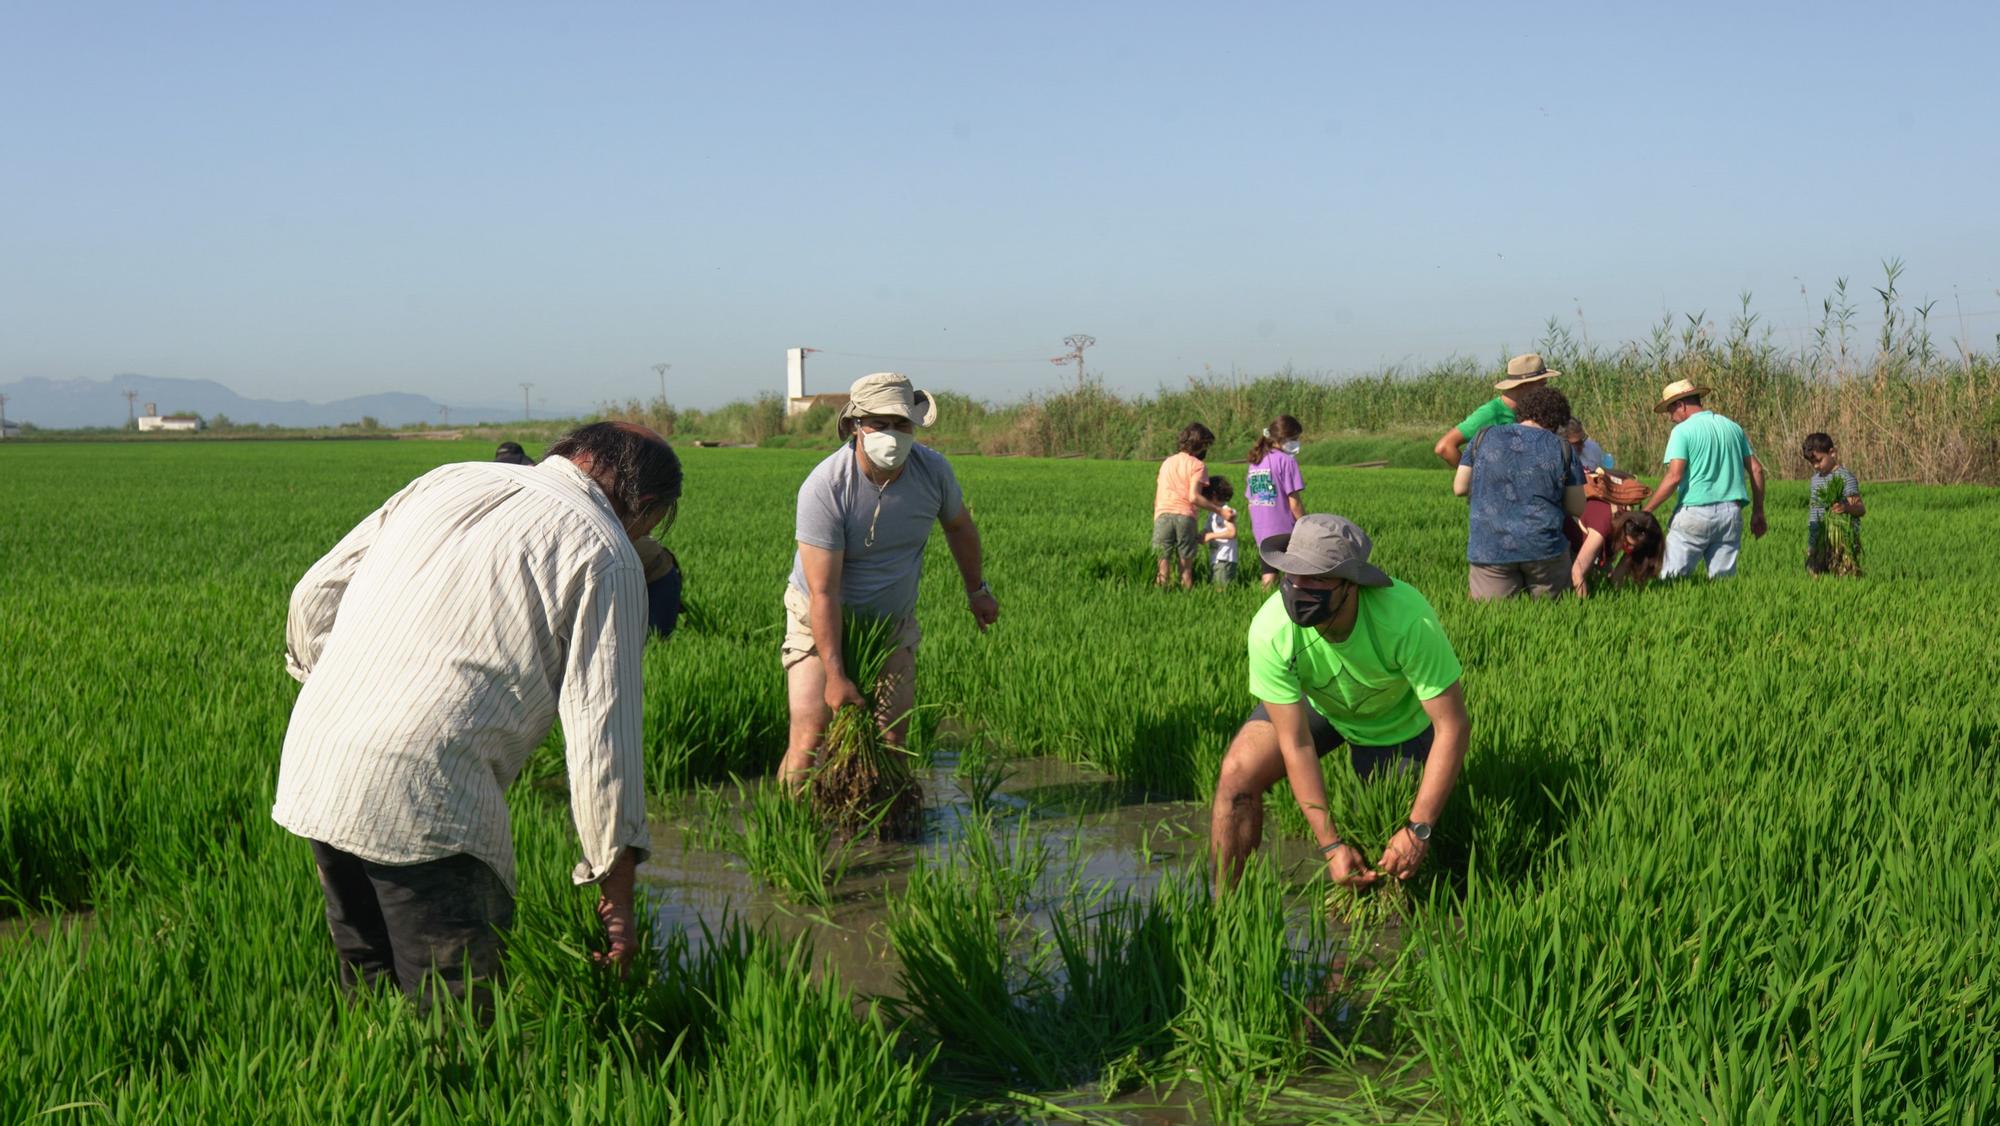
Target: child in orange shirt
[{"x": 1176, "y": 495}]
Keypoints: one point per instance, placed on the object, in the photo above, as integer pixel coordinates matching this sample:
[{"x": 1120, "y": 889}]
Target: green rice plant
[
  {"x": 1837, "y": 549},
  {"x": 863, "y": 781},
  {"x": 787, "y": 846},
  {"x": 980, "y": 772},
  {"x": 1010, "y": 863},
  {"x": 1253, "y": 968}
]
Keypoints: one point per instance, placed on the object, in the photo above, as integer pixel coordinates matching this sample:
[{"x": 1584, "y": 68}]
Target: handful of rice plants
[
  {"x": 1837, "y": 551},
  {"x": 863, "y": 782}
]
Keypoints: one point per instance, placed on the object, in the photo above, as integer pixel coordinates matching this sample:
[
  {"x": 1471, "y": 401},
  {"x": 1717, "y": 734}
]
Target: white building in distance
[
  {"x": 796, "y": 399},
  {"x": 154, "y": 420}
]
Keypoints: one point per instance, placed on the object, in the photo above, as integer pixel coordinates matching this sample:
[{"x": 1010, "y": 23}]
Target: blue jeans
[{"x": 1712, "y": 532}]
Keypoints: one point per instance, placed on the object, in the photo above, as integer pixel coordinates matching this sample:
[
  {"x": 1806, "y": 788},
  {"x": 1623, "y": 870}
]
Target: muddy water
[
  {"x": 1102, "y": 829},
  {"x": 1099, "y": 832},
  {"x": 1096, "y": 827}
]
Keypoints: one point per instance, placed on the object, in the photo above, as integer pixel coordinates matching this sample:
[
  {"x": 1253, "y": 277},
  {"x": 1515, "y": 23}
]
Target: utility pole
[
  {"x": 662, "y": 370},
  {"x": 444, "y": 417},
  {"x": 131, "y": 412},
  {"x": 1077, "y": 342},
  {"x": 526, "y": 412},
  {"x": 3, "y": 416}
]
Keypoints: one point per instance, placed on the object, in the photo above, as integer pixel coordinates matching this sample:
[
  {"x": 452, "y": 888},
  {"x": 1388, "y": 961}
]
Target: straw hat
[
  {"x": 1525, "y": 369},
  {"x": 1676, "y": 391},
  {"x": 889, "y": 393}
]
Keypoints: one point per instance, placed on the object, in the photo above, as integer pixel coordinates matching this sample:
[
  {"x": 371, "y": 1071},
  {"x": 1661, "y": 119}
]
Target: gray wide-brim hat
[
  {"x": 1324, "y": 544},
  {"x": 889, "y": 393}
]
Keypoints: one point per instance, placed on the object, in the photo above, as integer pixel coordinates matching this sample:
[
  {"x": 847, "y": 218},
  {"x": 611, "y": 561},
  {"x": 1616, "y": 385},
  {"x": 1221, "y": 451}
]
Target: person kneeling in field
[
  {"x": 437, "y": 644},
  {"x": 1342, "y": 654},
  {"x": 864, "y": 516}
]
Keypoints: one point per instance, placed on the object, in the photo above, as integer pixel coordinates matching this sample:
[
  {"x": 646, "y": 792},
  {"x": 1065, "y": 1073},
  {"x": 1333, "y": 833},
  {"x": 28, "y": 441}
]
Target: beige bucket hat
[
  {"x": 1676, "y": 391},
  {"x": 1525, "y": 369},
  {"x": 889, "y": 393}
]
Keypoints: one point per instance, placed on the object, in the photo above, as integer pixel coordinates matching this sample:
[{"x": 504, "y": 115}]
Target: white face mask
[
  {"x": 1290, "y": 448},
  {"x": 887, "y": 448}
]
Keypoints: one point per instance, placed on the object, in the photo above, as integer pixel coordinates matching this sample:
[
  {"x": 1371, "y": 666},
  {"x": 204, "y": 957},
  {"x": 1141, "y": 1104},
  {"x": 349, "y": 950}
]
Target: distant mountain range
[{"x": 67, "y": 404}]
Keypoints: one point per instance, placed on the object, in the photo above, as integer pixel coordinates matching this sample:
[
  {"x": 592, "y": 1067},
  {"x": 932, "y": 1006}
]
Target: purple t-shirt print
[{"x": 1265, "y": 488}]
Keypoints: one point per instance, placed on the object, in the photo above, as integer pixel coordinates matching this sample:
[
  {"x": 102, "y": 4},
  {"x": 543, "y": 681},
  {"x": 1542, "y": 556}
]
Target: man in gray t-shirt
[{"x": 864, "y": 516}]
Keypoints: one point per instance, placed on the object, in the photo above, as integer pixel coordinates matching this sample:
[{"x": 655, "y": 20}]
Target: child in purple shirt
[{"x": 1272, "y": 486}]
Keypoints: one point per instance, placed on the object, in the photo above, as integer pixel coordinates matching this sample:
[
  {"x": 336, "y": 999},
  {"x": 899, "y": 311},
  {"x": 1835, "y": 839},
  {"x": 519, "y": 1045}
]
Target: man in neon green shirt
[
  {"x": 1522, "y": 371},
  {"x": 1708, "y": 458},
  {"x": 1341, "y": 654}
]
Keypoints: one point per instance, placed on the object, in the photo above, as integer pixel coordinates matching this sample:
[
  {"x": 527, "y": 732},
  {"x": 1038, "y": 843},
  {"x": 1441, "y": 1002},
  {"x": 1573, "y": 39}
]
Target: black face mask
[{"x": 1308, "y": 608}]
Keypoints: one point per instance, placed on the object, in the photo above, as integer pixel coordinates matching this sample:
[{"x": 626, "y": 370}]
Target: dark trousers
[
  {"x": 1415, "y": 750},
  {"x": 396, "y": 923}
]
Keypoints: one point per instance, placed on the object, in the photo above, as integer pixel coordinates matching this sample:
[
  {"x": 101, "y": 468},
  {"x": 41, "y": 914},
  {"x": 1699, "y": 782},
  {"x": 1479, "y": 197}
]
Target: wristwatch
[
  {"x": 975, "y": 592},
  {"x": 1420, "y": 830}
]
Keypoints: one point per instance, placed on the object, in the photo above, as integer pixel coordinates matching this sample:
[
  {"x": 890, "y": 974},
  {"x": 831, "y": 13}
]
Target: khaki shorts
[
  {"x": 1175, "y": 536},
  {"x": 1539, "y": 578},
  {"x": 798, "y": 643}
]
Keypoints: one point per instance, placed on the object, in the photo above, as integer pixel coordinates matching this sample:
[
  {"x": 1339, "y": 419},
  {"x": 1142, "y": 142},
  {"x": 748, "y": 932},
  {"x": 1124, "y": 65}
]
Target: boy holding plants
[
  {"x": 1341, "y": 655},
  {"x": 1833, "y": 490}
]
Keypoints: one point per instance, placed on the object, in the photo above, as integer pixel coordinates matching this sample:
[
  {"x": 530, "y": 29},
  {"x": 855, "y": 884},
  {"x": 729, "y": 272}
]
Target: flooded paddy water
[{"x": 1060, "y": 837}]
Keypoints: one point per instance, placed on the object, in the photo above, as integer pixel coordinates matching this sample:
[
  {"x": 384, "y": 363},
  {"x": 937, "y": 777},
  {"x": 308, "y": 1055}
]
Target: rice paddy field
[{"x": 1720, "y": 853}]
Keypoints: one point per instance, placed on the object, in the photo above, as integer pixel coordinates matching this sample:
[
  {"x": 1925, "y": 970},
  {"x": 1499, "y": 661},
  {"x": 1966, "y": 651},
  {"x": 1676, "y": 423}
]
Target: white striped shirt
[{"x": 438, "y": 642}]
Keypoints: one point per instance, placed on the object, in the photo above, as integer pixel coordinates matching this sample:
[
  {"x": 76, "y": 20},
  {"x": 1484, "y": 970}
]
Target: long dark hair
[
  {"x": 1644, "y": 560},
  {"x": 1282, "y": 429}
]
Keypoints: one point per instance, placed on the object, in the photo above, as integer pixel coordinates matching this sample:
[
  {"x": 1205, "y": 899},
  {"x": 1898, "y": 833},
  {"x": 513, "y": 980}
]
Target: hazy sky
[{"x": 320, "y": 200}]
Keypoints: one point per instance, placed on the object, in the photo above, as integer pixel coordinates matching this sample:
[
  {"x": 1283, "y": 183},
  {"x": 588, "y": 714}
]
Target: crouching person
[
  {"x": 437, "y": 644},
  {"x": 1342, "y": 655}
]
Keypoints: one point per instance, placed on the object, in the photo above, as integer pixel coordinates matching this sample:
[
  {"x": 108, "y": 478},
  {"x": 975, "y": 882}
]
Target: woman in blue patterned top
[{"x": 1522, "y": 484}]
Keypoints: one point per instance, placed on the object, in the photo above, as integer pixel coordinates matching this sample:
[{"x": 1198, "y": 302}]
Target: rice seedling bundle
[
  {"x": 1838, "y": 550},
  {"x": 863, "y": 782}
]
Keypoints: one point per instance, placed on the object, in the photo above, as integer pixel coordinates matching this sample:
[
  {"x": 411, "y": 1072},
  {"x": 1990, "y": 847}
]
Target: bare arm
[
  {"x": 961, "y": 535},
  {"x": 1755, "y": 469},
  {"x": 1195, "y": 498},
  {"x": 1452, "y": 734},
  {"x": 1449, "y": 447},
  {"x": 1461, "y": 481},
  {"x": 1671, "y": 480},
  {"x": 822, "y": 571},
  {"x": 1227, "y": 532},
  {"x": 1586, "y": 557},
  {"x": 1345, "y": 864},
  {"x": 1302, "y": 768},
  {"x": 1297, "y": 506}
]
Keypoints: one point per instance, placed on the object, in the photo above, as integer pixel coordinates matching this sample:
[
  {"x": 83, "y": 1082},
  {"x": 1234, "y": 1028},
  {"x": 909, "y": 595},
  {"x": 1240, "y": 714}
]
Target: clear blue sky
[{"x": 320, "y": 200}]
